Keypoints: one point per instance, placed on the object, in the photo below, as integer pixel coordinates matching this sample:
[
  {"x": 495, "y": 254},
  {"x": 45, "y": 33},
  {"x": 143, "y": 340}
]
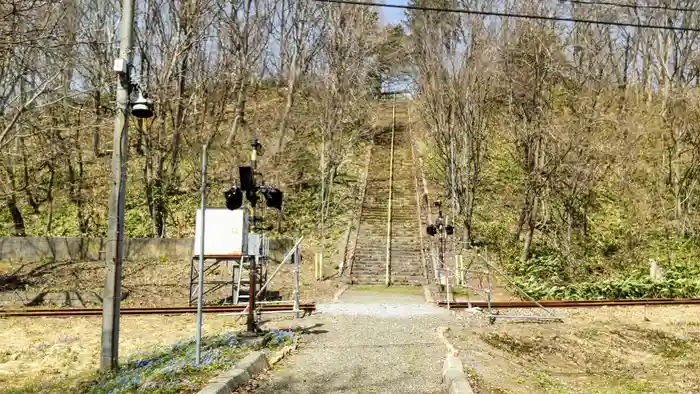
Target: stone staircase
[{"x": 406, "y": 266}]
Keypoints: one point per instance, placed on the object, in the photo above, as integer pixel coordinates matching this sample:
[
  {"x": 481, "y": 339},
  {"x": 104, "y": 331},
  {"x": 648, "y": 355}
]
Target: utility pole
[
  {"x": 109, "y": 356},
  {"x": 200, "y": 280},
  {"x": 250, "y": 323}
]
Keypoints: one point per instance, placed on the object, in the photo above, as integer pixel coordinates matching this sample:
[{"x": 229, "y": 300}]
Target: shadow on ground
[{"x": 80, "y": 283}]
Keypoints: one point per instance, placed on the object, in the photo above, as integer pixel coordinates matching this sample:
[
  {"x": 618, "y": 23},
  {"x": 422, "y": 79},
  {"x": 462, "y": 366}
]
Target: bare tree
[
  {"x": 247, "y": 29},
  {"x": 299, "y": 44},
  {"x": 30, "y": 69},
  {"x": 342, "y": 89}
]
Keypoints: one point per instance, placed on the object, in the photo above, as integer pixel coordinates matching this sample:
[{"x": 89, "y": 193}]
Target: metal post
[
  {"x": 256, "y": 260},
  {"x": 488, "y": 290},
  {"x": 441, "y": 253},
  {"x": 297, "y": 284},
  {"x": 453, "y": 183},
  {"x": 318, "y": 265},
  {"x": 250, "y": 323},
  {"x": 200, "y": 280},
  {"x": 109, "y": 348},
  {"x": 447, "y": 278},
  {"x": 457, "y": 269}
]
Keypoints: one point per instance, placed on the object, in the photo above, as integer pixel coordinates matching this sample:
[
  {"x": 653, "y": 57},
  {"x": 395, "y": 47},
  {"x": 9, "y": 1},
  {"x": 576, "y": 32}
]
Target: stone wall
[{"x": 32, "y": 249}]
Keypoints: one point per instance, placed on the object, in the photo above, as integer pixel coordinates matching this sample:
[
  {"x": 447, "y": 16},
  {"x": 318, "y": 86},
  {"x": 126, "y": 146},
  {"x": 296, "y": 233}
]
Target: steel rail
[
  {"x": 148, "y": 311},
  {"x": 572, "y": 303}
]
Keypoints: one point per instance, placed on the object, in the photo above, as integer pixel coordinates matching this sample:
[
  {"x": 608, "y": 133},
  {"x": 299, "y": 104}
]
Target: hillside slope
[{"x": 80, "y": 187}]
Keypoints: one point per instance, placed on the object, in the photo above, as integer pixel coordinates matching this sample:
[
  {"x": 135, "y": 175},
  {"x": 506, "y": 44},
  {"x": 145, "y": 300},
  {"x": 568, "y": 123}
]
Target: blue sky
[{"x": 392, "y": 15}]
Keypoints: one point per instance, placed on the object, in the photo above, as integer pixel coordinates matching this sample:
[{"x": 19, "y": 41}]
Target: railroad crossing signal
[
  {"x": 234, "y": 196},
  {"x": 234, "y": 200},
  {"x": 440, "y": 225}
]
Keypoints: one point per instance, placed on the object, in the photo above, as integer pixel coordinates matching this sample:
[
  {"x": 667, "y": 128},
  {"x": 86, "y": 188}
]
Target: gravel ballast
[{"x": 369, "y": 343}]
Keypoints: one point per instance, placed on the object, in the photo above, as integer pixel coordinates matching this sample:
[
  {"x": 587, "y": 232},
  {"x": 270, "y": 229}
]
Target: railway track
[
  {"x": 150, "y": 311},
  {"x": 572, "y": 304}
]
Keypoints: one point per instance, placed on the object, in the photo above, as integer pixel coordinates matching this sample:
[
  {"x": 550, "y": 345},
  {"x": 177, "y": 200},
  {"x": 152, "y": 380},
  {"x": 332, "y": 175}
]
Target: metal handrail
[
  {"x": 359, "y": 214},
  {"x": 391, "y": 187},
  {"x": 284, "y": 260},
  {"x": 289, "y": 254},
  {"x": 421, "y": 183}
]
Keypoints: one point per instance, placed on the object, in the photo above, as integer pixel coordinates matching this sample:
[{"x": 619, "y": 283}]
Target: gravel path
[{"x": 366, "y": 343}]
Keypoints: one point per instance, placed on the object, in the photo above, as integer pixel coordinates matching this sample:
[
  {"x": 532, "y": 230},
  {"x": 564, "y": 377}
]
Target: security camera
[{"x": 142, "y": 107}]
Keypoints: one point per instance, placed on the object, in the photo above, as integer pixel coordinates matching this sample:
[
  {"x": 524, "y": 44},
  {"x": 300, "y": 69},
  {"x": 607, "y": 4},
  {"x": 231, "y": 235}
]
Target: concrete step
[
  {"x": 409, "y": 214},
  {"x": 369, "y": 262},
  {"x": 379, "y": 238},
  {"x": 396, "y": 281},
  {"x": 409, "y": 257},
  {"x": 396, "y": 208},
  {"x": 367, "y": 249},
  {"x": 394, "y": 255},
  {"x": 381, "y": 265},
  {"x": 382, "y": 270}
]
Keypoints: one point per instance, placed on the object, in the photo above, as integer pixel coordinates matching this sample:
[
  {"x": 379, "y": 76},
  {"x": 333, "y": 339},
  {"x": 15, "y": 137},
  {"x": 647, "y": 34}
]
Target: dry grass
[
  {"x": 80, "y": 284},
  {"x": 67, "y": 349},
  {"x": 610, "y": 350},
  {"x": 50, "y": 349}
]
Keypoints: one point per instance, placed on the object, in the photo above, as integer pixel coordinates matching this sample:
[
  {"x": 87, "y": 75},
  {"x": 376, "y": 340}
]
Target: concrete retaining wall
[{"x": 32, "y": 249}]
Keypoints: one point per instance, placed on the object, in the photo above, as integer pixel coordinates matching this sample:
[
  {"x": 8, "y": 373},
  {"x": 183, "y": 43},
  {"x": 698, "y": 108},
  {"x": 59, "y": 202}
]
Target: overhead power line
[
  {"x": 512, "y": 15},
  {"x": 634, "y": 6}
]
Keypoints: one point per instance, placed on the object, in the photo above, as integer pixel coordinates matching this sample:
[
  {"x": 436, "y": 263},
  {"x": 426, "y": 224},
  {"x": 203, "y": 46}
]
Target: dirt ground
[
  {"x": 150, "y": 283},
  {"x": 49, "y": 349},
  {"x": 46, "y": 349},
  {"x": 595, "y": 350}
]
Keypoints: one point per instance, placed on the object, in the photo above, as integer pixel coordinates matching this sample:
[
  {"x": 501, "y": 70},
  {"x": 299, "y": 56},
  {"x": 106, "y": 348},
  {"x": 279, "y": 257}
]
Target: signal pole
[
  {"x": 109, "y": 355},
  {"x": 250, "y": 323}
]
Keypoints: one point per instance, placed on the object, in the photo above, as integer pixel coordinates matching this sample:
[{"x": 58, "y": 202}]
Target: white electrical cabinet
[{"x": 225, "y": 233}]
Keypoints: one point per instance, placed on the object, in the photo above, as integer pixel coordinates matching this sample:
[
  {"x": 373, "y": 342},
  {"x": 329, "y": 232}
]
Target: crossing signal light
[
  {"x": 246, "y": 175},
  {"x": 234, "y": 198},
  {"x": 273, "y": 197},
  {"x": 449, "y": 229},
  {"x": 431, "y": 229}
]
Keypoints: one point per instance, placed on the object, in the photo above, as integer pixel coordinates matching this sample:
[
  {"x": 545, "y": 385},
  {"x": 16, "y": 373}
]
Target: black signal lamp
[
  {"x": 273, "y": 197},
  {"x": 246, "y": 176},
  {"x": 234, "y": 198},
  {"x": 431, "y": 229},
  {"x": 449, "y": 229}
]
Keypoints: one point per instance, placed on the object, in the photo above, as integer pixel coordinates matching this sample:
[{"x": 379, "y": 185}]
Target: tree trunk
[
  {"x": 96, "y": 130},
  {"x": 529, "y": 235},
  {"x": 156, "y": 190},
  {"x": 17, "y": 219},
  {"x": 179, "y": 119},
  {"x": 27, "y": 181},
  {"x": 521, "y": 221},
  {"x": 49, "y": 197},
  {"x": 76, "y": 194},
  {"x": 240, "y": 88},
  {"x": 291, "y": 88}
]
